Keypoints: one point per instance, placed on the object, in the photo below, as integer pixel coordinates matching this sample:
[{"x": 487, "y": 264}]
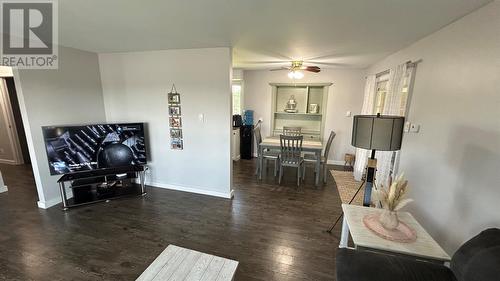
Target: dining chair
[
  {"x": 291, "y": 155},
  {"x": 292, "y": 131},
  {"x": 311, "y": 158},
  {"x": 266, "y": 154}
]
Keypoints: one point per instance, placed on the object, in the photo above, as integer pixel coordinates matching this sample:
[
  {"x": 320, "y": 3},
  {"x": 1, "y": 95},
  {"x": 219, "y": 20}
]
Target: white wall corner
[{"x": 49, "y": 203}]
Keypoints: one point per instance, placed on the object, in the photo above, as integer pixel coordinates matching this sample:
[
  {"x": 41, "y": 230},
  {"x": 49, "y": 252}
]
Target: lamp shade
[{"x": 377, "y": 132}]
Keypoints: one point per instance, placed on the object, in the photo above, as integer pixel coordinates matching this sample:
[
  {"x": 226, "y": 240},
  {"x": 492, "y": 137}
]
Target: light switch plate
[
  {"x": 414, "y": 128},
  {"x": 348, "y": 114}
]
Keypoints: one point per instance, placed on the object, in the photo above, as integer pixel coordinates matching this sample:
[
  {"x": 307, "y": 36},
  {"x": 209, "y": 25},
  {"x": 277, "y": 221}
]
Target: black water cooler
[{"x": 246, "y": 141}]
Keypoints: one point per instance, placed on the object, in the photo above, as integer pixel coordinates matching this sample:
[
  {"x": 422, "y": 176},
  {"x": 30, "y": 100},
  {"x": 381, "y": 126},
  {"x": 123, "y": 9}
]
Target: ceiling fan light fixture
[{"x": 295, "y": 74}]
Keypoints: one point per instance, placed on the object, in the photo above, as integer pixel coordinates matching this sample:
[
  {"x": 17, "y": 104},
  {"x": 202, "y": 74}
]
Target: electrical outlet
[{"x": 348, "y": 114}]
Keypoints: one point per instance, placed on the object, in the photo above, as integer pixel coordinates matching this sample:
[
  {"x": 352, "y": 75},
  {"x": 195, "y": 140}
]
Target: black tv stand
[{"x": 102, "y": 185}]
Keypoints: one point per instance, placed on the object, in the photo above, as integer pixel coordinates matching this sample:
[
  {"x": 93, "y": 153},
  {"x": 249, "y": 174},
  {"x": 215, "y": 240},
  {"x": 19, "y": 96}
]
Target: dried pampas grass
[{"x": 393, "y": 199}]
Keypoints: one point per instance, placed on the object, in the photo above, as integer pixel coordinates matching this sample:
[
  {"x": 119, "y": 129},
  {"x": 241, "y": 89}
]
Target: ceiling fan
[{"x": 295, "y": 70}]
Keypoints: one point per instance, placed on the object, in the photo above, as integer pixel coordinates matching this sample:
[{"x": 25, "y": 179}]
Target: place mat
[{"x": 402, "y": 233}]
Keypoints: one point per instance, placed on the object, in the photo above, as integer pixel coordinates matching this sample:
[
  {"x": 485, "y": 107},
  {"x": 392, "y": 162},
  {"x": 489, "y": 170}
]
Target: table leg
[
  {"x": 344, "y": 237},
  {"x": 142, "y": 179},
  {"x": 318, "y": 166},
  {"x": 62, "y": 190},
  {"x": 261, "y": 150}
]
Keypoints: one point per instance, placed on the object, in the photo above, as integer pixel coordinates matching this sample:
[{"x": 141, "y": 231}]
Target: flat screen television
[{"x": 72, "y": 149}]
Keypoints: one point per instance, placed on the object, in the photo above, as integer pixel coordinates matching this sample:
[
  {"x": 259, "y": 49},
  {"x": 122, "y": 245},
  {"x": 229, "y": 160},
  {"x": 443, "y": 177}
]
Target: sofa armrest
[
  {"x": 479, "y": 258},
  {"x": 353, "y": 265}
]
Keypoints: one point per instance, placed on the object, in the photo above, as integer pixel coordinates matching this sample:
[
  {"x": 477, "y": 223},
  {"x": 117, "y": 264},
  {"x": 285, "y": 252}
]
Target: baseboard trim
[
  {"x": 228, "y": 195},
  {"x": 49, "y": 203},
  {"x": 3, "y": 189}
]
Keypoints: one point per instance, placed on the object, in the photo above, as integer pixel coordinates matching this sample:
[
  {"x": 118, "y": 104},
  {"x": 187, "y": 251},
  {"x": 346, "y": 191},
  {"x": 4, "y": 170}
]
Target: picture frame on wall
[
  {"x": 176, "y": 144},
  {"x": 174, "y": 98},
  {"x": 175, "y": 122},
  {"x": 176, "y": 133},
  {"x": 174, "y": 110}
]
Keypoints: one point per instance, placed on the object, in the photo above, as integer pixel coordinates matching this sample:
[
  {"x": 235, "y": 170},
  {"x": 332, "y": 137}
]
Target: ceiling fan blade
[
  {"x": 282, "y": 68},
  {"x": 314, "y": 69},
  {"x": 325, "y": 63}
]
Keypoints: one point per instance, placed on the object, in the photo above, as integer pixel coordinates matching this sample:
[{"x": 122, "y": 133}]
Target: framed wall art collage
[{"x": 175, "y": 119}]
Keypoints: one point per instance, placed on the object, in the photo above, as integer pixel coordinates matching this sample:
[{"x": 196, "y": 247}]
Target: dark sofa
[{"x": 476, "y": 260}]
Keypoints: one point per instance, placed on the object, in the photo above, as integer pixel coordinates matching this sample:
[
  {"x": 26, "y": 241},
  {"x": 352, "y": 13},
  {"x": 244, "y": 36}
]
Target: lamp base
[{"x": 370, "y": 179}]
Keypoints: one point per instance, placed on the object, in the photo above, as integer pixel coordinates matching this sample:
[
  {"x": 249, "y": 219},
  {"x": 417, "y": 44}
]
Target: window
[
  {"x": 380, "y": 96},
  {"x": 237, "y": 97},
  {"x": 404, "y": 95}
]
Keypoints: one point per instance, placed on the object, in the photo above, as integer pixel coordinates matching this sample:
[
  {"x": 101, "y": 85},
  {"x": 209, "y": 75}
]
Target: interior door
[{"x": 10, "y": 152}]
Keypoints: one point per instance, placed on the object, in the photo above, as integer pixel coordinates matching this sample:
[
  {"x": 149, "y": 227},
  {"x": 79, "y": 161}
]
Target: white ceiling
[{"x": 344, "y": 33}]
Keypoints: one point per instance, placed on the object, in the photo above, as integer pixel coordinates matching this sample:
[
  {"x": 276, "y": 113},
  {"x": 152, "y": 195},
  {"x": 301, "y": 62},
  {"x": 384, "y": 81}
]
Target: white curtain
[
  {"x": 392, "y": 106},
  {"x": 369, "y": 99}
]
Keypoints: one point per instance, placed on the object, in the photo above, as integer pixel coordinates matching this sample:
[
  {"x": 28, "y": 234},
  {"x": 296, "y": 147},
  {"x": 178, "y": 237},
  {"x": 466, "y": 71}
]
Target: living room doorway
[
  {"x": 13, "y": 144},
  {"x": 15, "y": 159}
]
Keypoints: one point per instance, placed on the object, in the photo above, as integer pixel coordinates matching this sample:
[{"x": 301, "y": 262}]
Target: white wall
[
  {"x": 71, "y": 94},
  {"x": 453, "y": 164},
  {"x": 5, "y": 71},
  {"x": 346, "y": 94},
  {"x": 135, "y": 87}
]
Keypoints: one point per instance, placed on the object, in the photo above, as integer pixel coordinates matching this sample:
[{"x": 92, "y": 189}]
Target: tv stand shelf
[{"x": 101, "y": 185}]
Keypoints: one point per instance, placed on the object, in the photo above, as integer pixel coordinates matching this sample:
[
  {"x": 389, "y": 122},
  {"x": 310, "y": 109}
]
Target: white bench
[{"x": 177, "y": 263}]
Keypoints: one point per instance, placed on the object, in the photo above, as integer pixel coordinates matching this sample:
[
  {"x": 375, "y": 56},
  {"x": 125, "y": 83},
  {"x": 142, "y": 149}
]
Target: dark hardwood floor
[{"x": 275, "y": 232}]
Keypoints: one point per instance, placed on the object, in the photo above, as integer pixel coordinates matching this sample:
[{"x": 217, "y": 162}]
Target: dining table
[{"x": 308, "y": 145}]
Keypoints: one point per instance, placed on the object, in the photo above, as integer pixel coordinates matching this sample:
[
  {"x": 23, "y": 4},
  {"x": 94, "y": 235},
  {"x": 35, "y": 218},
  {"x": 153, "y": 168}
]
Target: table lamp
[{"x": 376, "y": 132}]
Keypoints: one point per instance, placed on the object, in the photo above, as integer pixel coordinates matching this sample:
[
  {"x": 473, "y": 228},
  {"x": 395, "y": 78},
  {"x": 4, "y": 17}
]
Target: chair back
[
  {"x": 292, "y": 131},
  {"x": 258, "y": 136},
  {"x": 329, "y": 144},
  {"x": 291, "y": 149}
]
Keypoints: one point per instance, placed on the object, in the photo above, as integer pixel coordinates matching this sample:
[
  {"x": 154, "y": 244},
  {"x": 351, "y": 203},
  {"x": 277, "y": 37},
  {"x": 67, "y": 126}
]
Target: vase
[{"x": 389, "y": 219}]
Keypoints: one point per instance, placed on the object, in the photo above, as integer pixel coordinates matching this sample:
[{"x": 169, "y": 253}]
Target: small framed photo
[
  {"x": 176, "y": 133},
  {"x": 176, "y": 144},
  {"x": 314, "y": 108},
  {"x": 175, "y": 122},
  {"x": 174, "y": 110},
  {"x": 174, "y": 98}
]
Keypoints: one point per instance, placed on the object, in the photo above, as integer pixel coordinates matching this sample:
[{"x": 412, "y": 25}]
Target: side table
[{"x": 424, "y": 247}]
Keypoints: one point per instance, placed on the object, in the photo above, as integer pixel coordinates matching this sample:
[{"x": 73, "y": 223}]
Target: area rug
[
  {"x": 177, "y": 263},
  {"x": 347, "y": 187}
]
